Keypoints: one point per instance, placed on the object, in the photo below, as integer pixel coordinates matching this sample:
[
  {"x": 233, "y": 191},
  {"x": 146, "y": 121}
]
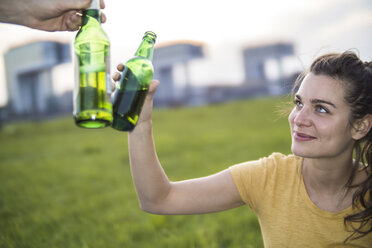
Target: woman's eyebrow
[{"x": 317, "y": 101}]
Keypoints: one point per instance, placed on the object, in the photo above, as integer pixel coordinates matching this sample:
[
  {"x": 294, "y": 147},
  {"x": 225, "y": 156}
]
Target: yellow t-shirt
[{"x": 273, "y": 188}]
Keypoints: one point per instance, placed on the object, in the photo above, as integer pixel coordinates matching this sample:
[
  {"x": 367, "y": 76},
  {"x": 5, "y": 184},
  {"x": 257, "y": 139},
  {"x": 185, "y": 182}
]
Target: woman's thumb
[{"x": 153, "y": 86}]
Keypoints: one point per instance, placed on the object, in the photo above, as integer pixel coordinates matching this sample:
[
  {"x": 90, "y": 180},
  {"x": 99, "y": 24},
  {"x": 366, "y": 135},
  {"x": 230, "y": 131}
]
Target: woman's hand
[{"x": 145, "y": 116}]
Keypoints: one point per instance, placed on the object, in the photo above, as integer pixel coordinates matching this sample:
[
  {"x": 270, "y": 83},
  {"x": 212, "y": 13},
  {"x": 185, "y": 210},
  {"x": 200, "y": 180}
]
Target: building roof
[
  {"x": 180, "y": 42},
  {"x": 266, "y": 43}
]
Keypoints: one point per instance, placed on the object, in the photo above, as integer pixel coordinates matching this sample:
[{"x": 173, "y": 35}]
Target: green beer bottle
[
  {"x": 132, "y": 88},
  {"x": 92, "y": 101}
]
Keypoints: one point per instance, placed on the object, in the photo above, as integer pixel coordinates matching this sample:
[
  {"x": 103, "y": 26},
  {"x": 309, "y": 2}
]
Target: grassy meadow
[{"x": 64, "y": 186}]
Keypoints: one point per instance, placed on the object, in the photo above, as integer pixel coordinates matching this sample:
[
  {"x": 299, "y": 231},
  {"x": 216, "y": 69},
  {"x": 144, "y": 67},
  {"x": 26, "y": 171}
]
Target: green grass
[{"x": 63, "y": 186}]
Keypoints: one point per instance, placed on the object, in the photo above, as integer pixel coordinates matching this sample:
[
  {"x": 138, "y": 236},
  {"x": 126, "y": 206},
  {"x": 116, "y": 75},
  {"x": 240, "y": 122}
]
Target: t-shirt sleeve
[{"x": 251, "y": 179}]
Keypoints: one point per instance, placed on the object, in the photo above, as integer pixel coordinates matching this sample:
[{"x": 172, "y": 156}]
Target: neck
[{"x": 328, "y": 175}]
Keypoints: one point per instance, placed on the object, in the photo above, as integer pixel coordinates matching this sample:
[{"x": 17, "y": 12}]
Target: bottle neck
[
  {"x": 146, "y": 49},
  {"x": 94, "y": 11},
  {"x": 89, "y": 14}
]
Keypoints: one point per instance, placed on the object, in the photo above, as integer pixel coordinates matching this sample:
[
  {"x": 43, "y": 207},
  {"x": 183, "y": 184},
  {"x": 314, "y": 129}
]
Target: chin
[{"x": 305, "y": 153}]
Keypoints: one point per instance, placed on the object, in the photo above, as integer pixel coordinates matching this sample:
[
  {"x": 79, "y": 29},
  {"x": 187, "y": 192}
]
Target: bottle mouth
[{"x": 151, "y": 34}]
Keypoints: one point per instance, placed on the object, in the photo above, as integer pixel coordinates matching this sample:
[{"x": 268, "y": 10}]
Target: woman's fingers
[
  {"x": 113, "y": 87},
  {"x": 103, "y": 18},
  {"x": 116, "y": 76},
  {"x": 120, "y": 67}
]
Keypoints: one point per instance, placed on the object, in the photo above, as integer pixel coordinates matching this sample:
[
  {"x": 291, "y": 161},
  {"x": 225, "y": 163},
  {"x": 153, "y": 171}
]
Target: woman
[{"x": 317, "y": 197}]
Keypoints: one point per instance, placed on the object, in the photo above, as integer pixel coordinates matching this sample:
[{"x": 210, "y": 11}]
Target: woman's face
[{"x": 319, "y": 121}]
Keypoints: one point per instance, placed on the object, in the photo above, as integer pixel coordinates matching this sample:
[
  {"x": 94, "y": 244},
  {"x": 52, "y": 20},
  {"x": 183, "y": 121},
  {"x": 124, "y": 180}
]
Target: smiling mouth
[{"x": 302, "y": 136}]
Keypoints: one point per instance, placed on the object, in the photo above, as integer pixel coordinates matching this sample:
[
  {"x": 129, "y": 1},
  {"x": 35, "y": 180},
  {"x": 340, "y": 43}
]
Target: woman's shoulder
[
  {"x": 280, "y": 159},
  {"x": 280, "y": 164},
  {"x": 273, "y": 159},
  {"x": 274, "y": 163}
]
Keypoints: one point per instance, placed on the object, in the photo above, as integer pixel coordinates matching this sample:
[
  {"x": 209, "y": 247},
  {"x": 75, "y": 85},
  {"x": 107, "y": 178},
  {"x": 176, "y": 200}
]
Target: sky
[{"x": 225, "y": 27}]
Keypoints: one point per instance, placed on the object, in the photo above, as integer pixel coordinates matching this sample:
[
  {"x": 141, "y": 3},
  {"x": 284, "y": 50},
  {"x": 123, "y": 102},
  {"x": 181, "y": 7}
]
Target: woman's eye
[
  {"x": 298, "y": 103},
  {"x": 321, "y": 109}
]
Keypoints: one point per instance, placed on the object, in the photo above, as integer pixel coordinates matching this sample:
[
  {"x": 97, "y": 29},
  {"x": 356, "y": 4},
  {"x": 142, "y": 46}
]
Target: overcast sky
[{"x": 314, "y": 26}]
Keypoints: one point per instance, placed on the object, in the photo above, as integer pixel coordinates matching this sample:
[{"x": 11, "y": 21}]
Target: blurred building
[
  {"x": 256, "y": 83},
  {"x": 30, "y": 87},
  {"x": 255, "y": 59},
  {"x": 166, "y": 57},
  {"x": 29, "y": 79}
]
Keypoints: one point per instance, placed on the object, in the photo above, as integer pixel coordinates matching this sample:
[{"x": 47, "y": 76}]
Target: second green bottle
[{"x": 132, "y": 88}]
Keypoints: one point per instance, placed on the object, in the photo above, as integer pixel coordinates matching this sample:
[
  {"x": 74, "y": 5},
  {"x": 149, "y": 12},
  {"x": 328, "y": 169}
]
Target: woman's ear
[{"x": 361, "y": 127}]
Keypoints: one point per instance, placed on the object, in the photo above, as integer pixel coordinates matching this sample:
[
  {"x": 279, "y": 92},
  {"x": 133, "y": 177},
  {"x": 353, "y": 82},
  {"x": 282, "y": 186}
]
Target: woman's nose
[{"x": 302, "y": 118}]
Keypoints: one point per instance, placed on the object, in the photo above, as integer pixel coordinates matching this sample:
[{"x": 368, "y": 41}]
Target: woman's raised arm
[{"x": 156, "y": 193}]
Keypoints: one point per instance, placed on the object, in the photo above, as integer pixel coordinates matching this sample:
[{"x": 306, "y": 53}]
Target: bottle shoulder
[
  {"x": 92, "y": 31},
  {"x": 91, "y": 38},
  {"x": 141, "y": 68},
  {"x": 138, "y": 61},
  {"x": 139, "y": 64}
]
